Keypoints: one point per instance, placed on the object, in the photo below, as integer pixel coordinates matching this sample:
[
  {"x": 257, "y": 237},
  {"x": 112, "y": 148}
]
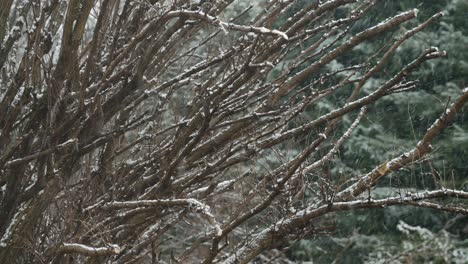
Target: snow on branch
[
  {"x": 191, "y": 203},
  {"x": 72, "y": 143},
  {"x": 111, "y": 249},
  {"x": 415, "y": 199},
  {"x": 225, "y": 26}
]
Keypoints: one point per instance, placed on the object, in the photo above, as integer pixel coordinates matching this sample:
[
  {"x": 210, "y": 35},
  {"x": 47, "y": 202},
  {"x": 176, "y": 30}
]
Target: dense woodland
[{"x": 233, "y": 131}]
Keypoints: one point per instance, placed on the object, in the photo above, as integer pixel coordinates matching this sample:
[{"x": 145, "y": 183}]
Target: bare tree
[{"x": 173, "y": 131}]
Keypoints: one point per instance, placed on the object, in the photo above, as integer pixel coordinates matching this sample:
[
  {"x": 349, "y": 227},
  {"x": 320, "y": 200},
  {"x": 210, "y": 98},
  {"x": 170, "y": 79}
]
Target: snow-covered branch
[
  {"x": 191, "y": 204},
  {"x": 225, "y": 26},
  {"x": 74, "y": 248}
]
